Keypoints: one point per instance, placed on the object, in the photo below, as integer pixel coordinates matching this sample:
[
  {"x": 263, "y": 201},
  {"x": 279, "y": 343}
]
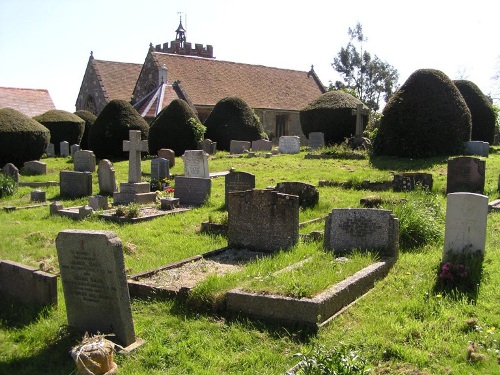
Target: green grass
[{"x": 403, "y": 326}]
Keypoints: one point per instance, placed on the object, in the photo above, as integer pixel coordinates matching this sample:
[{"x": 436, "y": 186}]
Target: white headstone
[
  {"x": 134, "y": 146},
  {"x": 195, "y": 164},
  {"x": 106, "y": 177},
  {"x": 289, "y": 144}
]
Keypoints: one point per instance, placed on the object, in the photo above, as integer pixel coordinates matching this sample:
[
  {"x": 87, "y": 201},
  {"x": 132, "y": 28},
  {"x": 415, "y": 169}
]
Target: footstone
[
  {"x": 466, "y": 174},
  {"x": 74, "y": 184},
  {"x": 192, "y": 191},
  {"x": 38, "y": 196}
]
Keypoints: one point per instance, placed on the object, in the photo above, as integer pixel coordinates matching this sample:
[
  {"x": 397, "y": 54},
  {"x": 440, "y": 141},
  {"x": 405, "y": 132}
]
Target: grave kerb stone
[{"x": 134, "y": 146}]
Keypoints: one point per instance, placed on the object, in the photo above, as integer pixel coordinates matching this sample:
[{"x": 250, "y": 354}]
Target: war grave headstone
[
  {"x": 168, "y": 154},
  {"x": 11, "y": 170},
  {"x": 262, "y": 145},
  {"x": 75, "y": 184},
  {"x": 478, "y": 148},
  {"x": 74, "y": 148},
  {"x": 50, "y": 151},
  {"x": 159, "y": 169},
  {"x": 95, "y": 284},
  {"x": 408, "y": 181},
  {"x": 465, "y": 174},
  {"x": 35, "y": 167},
  {"x": 64, "y": 149},
  {"x": 316, "y": 140},
  {"x": 239, "y": 147},
  {"x": 289, "y": 144},
  {"x": 38, "y": 196},
  {"x": 308, "y": 194},
  {"x": 192, "y": 191},
  {"x": 208, "y": 146},
  {"x": 106, "y": 177},
  {"x": 466, "y": 217},
  {"x": 84, "y": 161},
  {"x": 196, "y": 164},
  {"x": 262, "y": 220},
  {"x": 238, "y": 181},
  {"x": 362, "y": 228}
]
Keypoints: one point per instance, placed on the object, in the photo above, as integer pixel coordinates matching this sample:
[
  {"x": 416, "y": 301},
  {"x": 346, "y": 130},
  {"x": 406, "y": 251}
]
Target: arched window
[{"x": 90, "y": 105}]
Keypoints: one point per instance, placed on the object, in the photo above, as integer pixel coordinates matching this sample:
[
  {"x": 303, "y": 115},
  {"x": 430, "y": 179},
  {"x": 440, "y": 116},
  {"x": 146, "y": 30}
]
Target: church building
[{"x": 181, "y": 70}]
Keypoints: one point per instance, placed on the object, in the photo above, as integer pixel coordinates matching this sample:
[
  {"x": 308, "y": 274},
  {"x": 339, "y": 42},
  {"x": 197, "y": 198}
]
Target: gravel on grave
[{"x": 189, "y": 274}]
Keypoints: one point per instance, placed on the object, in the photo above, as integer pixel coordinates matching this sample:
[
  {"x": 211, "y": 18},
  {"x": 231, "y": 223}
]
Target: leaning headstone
[
  {"x": 316, "y": 140},
  {"x": 465, "y": 174},
  {"x": 95, "y": 284},
  {"x": 289, "y": 144},
  {"x": 159, "y": 169},
  {"x": 262, "y": 145},
  {"x": 98, "y": 202},
  {"x": 106, "y": 177},
  {"x": 195, "y": 164},
  {"x": 347, "y": 229},
  {"x": 84, "y": 161},
  {"x": 35, "y": 167},
  {"x": 50, "y": 151},
  {"x": 11, "y": 170},
  {"x": 74, "y": 148},
  {"x": 478, "y": 148},
  {"x": 168, "y": 154},
  {"x": 238, "y": 181},
  {"x": 239, "y": 147},
  {"x": 38, "y": 196},
  {"x": 465, "y": 231},
  {"x": 408, "y": 181},
  {"x": 74, "y": 184},
  {"x": 308, "y": 194},
  {"x": 64, "y": 148},
  {"x": 263, "y": 220},
  {"x": 208, "y": 146},
  {"x": 192, "y": 191}
]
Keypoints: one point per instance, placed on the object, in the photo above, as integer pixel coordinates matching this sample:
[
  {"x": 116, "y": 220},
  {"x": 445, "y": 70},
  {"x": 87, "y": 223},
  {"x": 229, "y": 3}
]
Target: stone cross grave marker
[
  {"x": 465, "y": 174},
  {"x": 238, "y": 181},
  {"x": 195, "y": 164},
  {"x": 106, "y": 177},
  {"x": 359, "y": 112},
  {"x": 95, "y": 284},
  {"x": 84, "y": 161},
  {"x": 134, "y": 146},
  {"x": 64, "y": 148},
  {"x": 159, "y": 169},
  {"x": 289, "y": 144}
]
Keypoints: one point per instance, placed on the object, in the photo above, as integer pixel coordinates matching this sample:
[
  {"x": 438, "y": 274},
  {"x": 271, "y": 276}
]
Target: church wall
[
  {"x": 148, "y": 79},
  {"x": 268, "y": 120},
  {"x": 90, "y": 88}
]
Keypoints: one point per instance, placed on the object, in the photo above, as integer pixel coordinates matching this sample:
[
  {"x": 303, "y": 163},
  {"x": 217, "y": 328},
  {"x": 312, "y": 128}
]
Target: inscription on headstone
[
  {"x": 195, "y": 164},
  {"x": 465, "y": 174},
  {"x": 289, "y": 144},
  {"x": 238, "y": 181}
]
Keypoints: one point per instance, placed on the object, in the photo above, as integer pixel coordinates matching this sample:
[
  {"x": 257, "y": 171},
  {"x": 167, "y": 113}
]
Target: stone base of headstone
[
  {"x": 130, "y": 192},
  {"x": 169, "y": 203},
  {"x": 98, "y": 202},
  {"x": 38, "y": 196}
]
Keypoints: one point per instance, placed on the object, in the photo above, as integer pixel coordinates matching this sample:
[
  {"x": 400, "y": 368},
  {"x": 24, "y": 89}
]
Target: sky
[{"x": 46, "y": 44}]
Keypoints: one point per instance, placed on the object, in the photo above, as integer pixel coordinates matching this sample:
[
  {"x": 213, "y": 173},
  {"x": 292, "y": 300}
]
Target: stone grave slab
[
  {"x": 192, "y": 191},
  {"x": 106, "y": 177},
  {"x": 35, "y": 167},
  {"x": 239, "y": 147},
  {"x": 238, "y": 181},
  {"x": 64, "y": 149},
  {"x": 408, "y": 181},
  {"x": 73, "y": 184},
  {"x": 84, "y": 161},
  {"x": 466, "y": 174},
  {"x": 289, "y": 144},
  {"x": 308, "y": 194},
  {"x": 262, "y": 145},
  {"x": 195, "y": 164},
  {"x": 316, "y": 140}
]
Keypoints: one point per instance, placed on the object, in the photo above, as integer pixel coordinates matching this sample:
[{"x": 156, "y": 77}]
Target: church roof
[
  {"x": 31, "y": 102},
  {"x": 156, "y": 100},
  {"x": 117, "y": 79}
]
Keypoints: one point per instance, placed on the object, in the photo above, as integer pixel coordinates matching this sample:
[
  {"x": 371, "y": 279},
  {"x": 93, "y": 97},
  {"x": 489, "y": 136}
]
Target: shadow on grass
[
  {"x": 405, "y": 164},
  {"x": 14, "y": 314}
]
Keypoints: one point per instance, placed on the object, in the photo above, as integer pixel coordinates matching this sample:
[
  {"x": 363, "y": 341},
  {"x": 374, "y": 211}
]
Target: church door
[{"x": 281, "y": 125}]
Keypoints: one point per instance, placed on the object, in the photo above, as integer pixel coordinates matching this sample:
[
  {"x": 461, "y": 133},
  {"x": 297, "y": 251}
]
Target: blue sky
[{"x": 46, "y": 43}]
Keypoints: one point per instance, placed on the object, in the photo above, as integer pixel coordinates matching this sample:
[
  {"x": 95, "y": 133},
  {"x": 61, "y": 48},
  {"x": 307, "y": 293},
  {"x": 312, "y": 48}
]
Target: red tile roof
[
  {"x": 117, "y": 79},
  {"x": 31, "y": 102}
]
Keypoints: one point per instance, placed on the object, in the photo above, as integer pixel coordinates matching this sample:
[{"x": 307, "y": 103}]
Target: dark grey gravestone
[
  {"x": 208, "y": 146},
  {"x": 308, "y": 194},
  {"x": 159, "y": 169},
  {"x": 238, "y": 181},
  {"x": 64, "y": 149},
  {"x": 263, "y": 220},
  {"x": 192, "y": 191},
  {"x": 35, "y": 167},
  {"x": 84, "y": 161},
  {"x": 347, "y": 229},
  {"x": 106, "y": 177},
  {"x": 74, "y": 184},
  {"x": 465, "y": 174},
  {"x": 316, "y": 140},
  {"x": 51, "y": 151},
  {"x": 11, "y": 170},
  {"x": 410, "y": 180},
  {"x": 167, "y": 154},
  {"x": 95, "y": 284},
  {"x": 478, "y": 148},
  {"x": 262, "y": 145},
  {"x": 239, "y": 147},
  {"x": 38, "y": 196},
  {"x": 74, "y": 148}
]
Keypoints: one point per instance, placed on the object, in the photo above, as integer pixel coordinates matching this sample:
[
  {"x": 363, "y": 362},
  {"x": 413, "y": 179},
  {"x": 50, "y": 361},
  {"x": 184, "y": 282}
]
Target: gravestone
[
  {"x": 74, "y": 148},
  {"x": 195, "y": 164},
  {"x": 308, "y": 194},
  {"x": 407, "y": 181},
  {"x": 38, "y": 196},
  {"x": 289, "y": 144},
  {"x": 159, "y": 169},
  {"x": 347, "y": 229},
  {"x": 238, "y": 181},
  {"x": 134, "y": 146},
  {"x": 64, "y": 149},
  {"x": 35, "y": 167},
  {"x": 465, "y": 230},
  {"x": 239, "y": 147},
  {"x": 208, "y": 146},
  {"x": 316, "y": 140},
  {"x": 478, "y": 148},
  {"x": 359, "y": 112},
  {"x": 98, "y": 202},
  {"x": 168, "y": 154},
  {"x": 192, "y": 191},
  {"x": 465, "y": 174},
  {"x": 95, "y": 284},
  {"x": 84, "y": 161},
  {"x": 106, "y": 177},
  {"x": 50, "y": 151},
  {"x": 11, "y": 170},
  {"x": 262, "y": 220},
  {"x": 73, "y": 184},
  {"x": 262, "y": 145}
]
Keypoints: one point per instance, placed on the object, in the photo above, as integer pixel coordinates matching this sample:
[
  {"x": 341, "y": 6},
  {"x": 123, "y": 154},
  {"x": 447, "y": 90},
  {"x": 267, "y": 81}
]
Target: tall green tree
[{"x": 369, "y": 78}]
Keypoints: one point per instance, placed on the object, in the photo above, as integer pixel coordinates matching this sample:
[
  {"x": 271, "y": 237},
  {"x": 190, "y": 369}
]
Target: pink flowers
[{"x": 453, "y": 272}]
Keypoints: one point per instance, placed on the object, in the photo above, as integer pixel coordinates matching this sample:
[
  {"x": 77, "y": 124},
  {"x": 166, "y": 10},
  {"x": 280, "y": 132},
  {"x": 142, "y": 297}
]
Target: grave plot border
[
  {"x": 110, "y": 215},
  {"x": 39, "y": 184}
]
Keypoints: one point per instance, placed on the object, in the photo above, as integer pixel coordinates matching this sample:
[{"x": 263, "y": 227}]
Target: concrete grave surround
[
  {"x": 64, "y": 148},
  {"x": 478, "y": 148},
  {"x": 50, "y": 151},
  {"x": 208, "y": 146},
  {"x": 262, "y": 145},
  {"x": 316, "y": 140},
  {"x": 408, "y": 181},
  {"x": 263, "y": 220},
  {"x": 466, "y": 174},
  {"x": 35, "y": 167},
  {"x": 167, "y": 154},
  {"x": 466, "y": 217},
  {"x": 159, "y": 169},
  {"x": 308, "y": 194},
  {"x": 106, "y": 177},
  {"x": 362, "y": 228},
  {"x": 74, "y": 148},
  {"x": 74, "y": 184},
  {"x": 289, "y": 144},
  {"x": 11, "y": 170},
  {"x": 238, "y": 181},
  {"x": 195, "y": 164},
  {"x": 192, "y": 191},
  {"x": 95, "y": 284},
  {"x": 84, "y": 161},
  {"x": 239, "y": 147}
]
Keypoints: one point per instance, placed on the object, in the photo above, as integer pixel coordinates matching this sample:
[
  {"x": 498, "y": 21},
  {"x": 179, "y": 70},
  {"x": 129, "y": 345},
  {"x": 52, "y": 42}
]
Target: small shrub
[
  {"x": 461, "y": 271},
  {"x": 7, "y": 186}
]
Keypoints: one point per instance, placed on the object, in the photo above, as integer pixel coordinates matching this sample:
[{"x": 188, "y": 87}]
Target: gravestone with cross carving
[{"x": 359, "y": 112}]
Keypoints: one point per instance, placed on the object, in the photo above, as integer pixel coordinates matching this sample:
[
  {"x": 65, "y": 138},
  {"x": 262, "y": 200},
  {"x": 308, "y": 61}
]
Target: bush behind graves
[
  {"x": 89, "y": 119},
  {"x": 7, "y": 185},
  {"x": 21, "y": 138}
]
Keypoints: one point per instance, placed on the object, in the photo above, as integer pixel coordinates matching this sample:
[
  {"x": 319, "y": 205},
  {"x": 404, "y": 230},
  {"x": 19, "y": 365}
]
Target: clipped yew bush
[
  {"x": 481, "y": 109},
  {"x": 176, "y": 127},
  {"x": 232, "y": 119},
  {"x": 111, "y": 128},
  {"x": 21, "y": 138},
  {"x": 89, "y": 119},
  {"x": 63, "y": 126},
  {"x": 427, "y": 116},
  {"x": 331, "y": 114}
]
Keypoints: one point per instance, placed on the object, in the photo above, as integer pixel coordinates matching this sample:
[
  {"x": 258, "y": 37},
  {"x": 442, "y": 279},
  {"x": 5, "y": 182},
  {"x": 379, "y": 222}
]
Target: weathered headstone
[
  {"x": 38, "y": 196},
  {"x": 106, "y": 177},
  {"x": 134, "y": 146},
  {"x": 50, "y": 151},
  {"x": 75, "y": 184},
  {"x": 84, "y": 161},
  {"x": 159, "y": 169},
  {"x": 263, "y": 220},
  {"x": 465, "y": 230},
  {"x": 64, "y": 149},
  {"x": 316, "y": 140},
  {"x": 239, "y": 147},
  {"x": 168, "y": 154},
  {"x": 11, "y": 170},
  {"x": 262, "y": 145},
  {"x": 195, "y": 164},
  {"x": 347, "y": 229},
  {"x": 465, "y": 174},
  {"x": 478, "y": 148},
  {"x": 308, "y": 194},
  {"x": 98, "y": 202},
  {"x": 35, "y": 167},
  {"x": 289, "y": 144},
  {"x": 359, "y": 112},
  {"x": 238, "y": 181},
  {"x": 95, "y": 284},
  {"x": 208, "y": 146},
  {"x": 74, "y": 148},
  {"x": 408, "y": 181},
  {"x": 192, "y": 191}
]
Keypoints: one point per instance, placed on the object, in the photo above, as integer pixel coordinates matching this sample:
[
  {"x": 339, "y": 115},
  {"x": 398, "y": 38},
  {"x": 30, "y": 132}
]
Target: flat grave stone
[
  {"x": 192, "y": 191},
  {"x": 64, "y": 149},
  {"x": 84, "y": 161},
  {"x": 289, "y": 144},
  {"x": 308, "y": 194},
  {"x": 466, "y": 174},
  {"x": 262, "y": 145},
  {"x": 238, "y": 181},
  {"x": 159, "y": 169},
  {"x": 35, "y": 167},
  {"x": 239, "y": 147},
  {"x": 408, "y": 181},
  {"x": 75, "y": 184},
  {"x": 106, "y": 177},
  {"x": 316, "y": 140},
  {"x": 196, "y": 164}
]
